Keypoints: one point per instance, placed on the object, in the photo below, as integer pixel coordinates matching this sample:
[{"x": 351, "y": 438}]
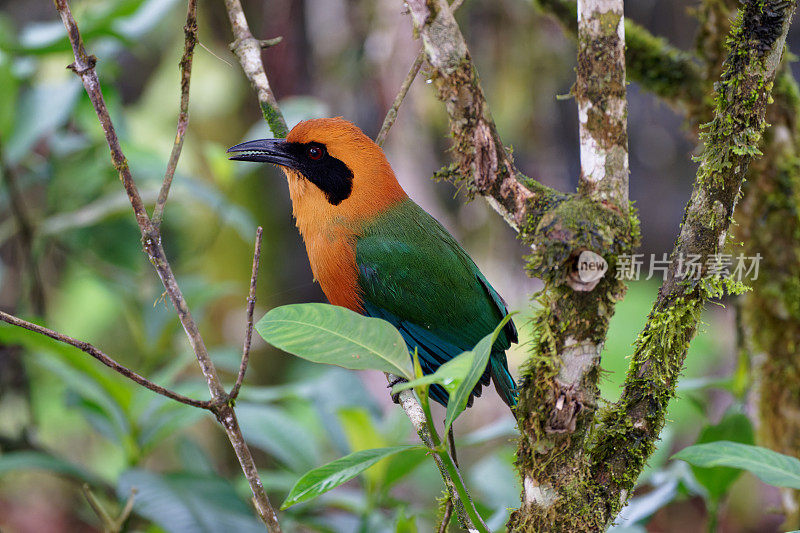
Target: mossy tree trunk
[{"x": 769, "y": 225}]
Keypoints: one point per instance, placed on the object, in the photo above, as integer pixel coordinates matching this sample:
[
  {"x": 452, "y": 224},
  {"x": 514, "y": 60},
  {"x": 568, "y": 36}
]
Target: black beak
[{"x": 264, "y": 151}]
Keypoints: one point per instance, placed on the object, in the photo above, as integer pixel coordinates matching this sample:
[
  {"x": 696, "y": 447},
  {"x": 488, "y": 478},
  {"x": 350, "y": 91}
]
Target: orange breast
[
  {"x": 330, "y": 231},
  {"x": 330, "y": 240},
  {"x": 333, "y": 261}
]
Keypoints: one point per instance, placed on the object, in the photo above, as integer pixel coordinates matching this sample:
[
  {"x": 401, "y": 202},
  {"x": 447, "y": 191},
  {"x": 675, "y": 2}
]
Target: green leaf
[
  {"x": 27, "y": 460},
  {"x": 362, "y": 434},
  {"x": 334, "y": 335},
  {"x": 449, "y": 375},
  {"x": 405, "y": 523},
  {"x": 183, "y": 502},
  {"x": 335, "y": 473},
  {"x": 273, "y": 430},
  {"x": 771, "y": 467},
  {"x": 458, "y": 400},
  {"x": 41, "y": 110},
  {"x": 734, "y": 427},
  {"x": 400, "y": 466}
]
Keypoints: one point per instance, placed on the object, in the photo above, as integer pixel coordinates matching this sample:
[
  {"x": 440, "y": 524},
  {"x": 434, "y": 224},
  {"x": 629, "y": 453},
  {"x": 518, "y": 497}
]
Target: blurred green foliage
[{"x": 66, "y": 420}]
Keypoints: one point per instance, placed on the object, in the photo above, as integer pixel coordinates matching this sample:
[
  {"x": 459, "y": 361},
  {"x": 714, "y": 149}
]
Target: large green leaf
[
  {"x": 334, "y": 335},
  {"x": 191, "y": 503},
  {"x": 771, "y": 467},
  {"x": 342, "y": 470},
  {"x": 734, "y": 427}
]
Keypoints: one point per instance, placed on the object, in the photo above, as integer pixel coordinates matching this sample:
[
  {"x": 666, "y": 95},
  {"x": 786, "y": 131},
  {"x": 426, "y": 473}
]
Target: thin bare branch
[
  {"x": 84, "y": 68},
  {"x": 25, "y": 230},
  {"x": 151, "y": 240},
  {"x": 190, "y": 40},
  {"x": 251, "y": 305},
  {"x": 391, "y": 115},
  {"x": 103, "y": 358},
  {"x": 248, "y": 49}
]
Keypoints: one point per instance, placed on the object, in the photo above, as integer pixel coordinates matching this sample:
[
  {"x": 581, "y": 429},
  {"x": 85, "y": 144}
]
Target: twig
[
  {"x": 482, "y": 162},
  {"x": 269, "y": 43},
  {"x": 110, "y": 525},
  {"x": 190, "y": 40},
  {"x": 391, "y": 115},
  {"x": 151, "y": 239},
  {"x": 103, "y": 358},
  {"x": 248, "y": 49},
  {"x": 25, "y": 230},
  {"x": 448, "y": 512},
  {"x": 99, "y": 510},
  {"x": 251, "y": 305}
]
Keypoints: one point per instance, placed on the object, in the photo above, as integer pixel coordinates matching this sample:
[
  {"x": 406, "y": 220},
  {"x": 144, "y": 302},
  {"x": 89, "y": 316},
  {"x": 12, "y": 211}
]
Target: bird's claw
[{"x": 392, "y": 383}]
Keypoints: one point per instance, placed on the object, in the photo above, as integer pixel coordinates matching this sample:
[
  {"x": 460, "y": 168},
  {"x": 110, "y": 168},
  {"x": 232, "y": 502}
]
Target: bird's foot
[{"x": 392, "y": 383}]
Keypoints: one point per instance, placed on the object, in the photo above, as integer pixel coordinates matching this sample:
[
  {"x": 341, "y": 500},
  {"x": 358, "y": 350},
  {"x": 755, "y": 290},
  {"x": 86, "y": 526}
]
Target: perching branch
[
  {"x": 559, "y": 394},
  {"x": 151, "y": 239},
  {"x": 416, "y": 415},
  {"x": 190, "y": 40},
  {"x": 103, "y": 358}
]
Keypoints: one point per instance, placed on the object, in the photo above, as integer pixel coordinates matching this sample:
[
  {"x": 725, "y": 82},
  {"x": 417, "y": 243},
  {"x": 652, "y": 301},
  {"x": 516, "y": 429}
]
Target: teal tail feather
[{"x": 503, "y": 381}]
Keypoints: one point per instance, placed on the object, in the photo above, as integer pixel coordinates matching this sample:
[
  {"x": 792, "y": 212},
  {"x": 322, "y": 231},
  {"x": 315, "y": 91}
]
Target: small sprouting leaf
[
  {"x": 449, "y": 375},
  {"x": 334, "y": 335},
  {"x": 458, "y": 400},
  {"x": 335, "y": 473},
  {"x": 771, "y": 467}
]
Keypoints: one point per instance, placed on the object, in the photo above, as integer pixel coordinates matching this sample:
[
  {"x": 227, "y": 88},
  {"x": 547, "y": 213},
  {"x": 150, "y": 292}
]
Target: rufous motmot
[{"x": 375, "y": 251}]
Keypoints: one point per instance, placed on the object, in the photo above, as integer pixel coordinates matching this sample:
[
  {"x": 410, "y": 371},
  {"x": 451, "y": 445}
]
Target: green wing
[{"x": 415, "y": 275}]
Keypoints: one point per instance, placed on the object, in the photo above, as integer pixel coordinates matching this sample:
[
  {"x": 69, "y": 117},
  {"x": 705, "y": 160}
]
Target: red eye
[{"x": 314, "y": 152}]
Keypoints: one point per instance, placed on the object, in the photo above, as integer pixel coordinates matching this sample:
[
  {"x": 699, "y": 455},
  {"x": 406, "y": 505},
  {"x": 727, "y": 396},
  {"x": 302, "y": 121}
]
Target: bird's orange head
[{"x": 335, "y": 172}]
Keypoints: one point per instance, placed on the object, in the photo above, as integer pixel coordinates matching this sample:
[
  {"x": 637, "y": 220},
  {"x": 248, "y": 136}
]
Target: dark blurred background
[{"x": 80, "y": 269}]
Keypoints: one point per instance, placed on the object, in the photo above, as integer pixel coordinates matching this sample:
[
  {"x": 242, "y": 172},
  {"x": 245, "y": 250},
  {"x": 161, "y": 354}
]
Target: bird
[{"x": 373, "y": 250}]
